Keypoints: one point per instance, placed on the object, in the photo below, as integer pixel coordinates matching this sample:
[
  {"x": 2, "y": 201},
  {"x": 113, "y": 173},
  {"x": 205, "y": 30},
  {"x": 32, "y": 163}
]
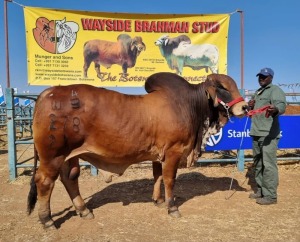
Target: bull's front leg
[
  {"x": 157, "y": 174},
  {"x": 69, "y": 174},
  {"x": 124, "y": 74},
  {"x": 214, "y": 69},
  {"x": 169, "y": 176}
]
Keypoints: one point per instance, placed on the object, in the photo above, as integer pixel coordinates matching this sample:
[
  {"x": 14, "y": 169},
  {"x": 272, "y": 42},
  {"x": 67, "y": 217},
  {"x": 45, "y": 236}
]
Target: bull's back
[
  {"x": 81, "y": 119},
  {"x": 80, "y": 115}
]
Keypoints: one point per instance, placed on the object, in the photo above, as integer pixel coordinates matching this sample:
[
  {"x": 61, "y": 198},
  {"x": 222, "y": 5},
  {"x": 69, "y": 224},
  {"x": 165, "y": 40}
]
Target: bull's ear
[
  {"x": 132, "y": 46},
  {"x": 211, "y": 91},
  {"x": 144, "y": 46},
  {"x": 166, "y": 42}
]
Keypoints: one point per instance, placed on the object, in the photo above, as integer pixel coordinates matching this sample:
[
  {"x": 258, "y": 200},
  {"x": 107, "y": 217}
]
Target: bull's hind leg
[
  {"x": 97, "y": 68},
  {"x": 169, "y": 177},
  {"x": 86, "y": 66},
  {"x": 157, "y": 174},
  {"x": 69, "y": 174},
  {"x": 45, "y": 179}
]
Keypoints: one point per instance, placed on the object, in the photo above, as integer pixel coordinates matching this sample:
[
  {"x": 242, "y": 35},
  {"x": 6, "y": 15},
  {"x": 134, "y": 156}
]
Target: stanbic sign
[
  {"x": 231, "y": 133},
  {"x": 215, "y": 139},
  {"x": 236, "y": 134}
]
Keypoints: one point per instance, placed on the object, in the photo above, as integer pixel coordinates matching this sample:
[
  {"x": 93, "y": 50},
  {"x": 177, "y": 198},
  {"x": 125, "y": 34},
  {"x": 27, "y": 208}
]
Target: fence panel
[{"x": 19, "y": 122}]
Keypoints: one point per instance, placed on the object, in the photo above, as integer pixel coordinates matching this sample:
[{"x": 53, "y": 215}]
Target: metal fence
[
  {"x": 18, "y": 123},
  {"x": 19, "y": 131}
]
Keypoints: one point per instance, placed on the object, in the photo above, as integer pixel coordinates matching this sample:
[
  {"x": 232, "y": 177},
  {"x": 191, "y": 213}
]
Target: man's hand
[
  {"x": 271, "y": 111},
  {"x": 251, "y": 104}
]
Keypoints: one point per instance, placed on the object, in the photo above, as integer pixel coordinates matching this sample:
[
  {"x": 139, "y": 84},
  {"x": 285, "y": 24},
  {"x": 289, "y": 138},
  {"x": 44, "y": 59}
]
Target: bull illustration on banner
[{"x": 55, "y": 36}]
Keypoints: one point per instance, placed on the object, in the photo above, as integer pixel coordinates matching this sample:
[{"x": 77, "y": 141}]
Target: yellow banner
[{"x": 115, "y": 49}]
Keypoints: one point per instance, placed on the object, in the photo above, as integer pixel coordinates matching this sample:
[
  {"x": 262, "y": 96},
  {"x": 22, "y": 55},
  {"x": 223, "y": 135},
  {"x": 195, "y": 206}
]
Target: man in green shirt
[{"x": 265, "y": 133}]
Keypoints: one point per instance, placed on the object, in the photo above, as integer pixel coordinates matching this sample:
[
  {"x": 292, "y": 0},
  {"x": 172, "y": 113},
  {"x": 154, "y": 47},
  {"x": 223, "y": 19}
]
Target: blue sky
[{"x": 271, "y": 35}]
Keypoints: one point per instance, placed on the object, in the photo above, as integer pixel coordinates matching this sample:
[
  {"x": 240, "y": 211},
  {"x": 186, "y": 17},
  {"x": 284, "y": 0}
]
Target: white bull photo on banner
[{"x": 179, "y": 52}]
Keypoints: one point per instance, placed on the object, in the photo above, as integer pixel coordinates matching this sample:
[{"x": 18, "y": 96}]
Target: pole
[
  {"x": 6, "y": 43},
  {"x": 242, "y": 47}
]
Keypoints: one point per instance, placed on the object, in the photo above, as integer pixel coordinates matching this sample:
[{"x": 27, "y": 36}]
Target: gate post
[
  {"x": 11, "y": 133},
  {"x": 241, "y": 160},
  {"x": 94, "y": 170}
]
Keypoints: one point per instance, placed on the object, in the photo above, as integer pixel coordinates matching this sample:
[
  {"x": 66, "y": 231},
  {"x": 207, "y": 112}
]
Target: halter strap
[
  {"x": 230, "y": 104},
  {"x": 227, "y": 106}
]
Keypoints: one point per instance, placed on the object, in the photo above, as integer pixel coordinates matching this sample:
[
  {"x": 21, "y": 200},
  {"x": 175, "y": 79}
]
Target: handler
[{"x": 265, "y": 133}]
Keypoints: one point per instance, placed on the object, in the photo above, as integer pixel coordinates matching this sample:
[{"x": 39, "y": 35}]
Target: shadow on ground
[{"x": 187, "y": 186}]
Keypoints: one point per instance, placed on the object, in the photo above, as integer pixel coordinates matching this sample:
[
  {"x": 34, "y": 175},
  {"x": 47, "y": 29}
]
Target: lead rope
[
  {"x": 249, "y": 114},
  {"x": 232, "y": 177}
]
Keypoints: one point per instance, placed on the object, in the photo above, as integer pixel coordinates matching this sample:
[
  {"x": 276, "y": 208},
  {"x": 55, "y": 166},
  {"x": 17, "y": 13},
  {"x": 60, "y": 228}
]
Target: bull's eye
[
  {"x": 221, "y": 87},
  {"x": 223, "y": 94}
]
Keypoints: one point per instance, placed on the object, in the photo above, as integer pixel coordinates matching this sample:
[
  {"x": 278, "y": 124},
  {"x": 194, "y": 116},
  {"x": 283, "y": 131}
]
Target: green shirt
[{"x": 262, "y": 126}]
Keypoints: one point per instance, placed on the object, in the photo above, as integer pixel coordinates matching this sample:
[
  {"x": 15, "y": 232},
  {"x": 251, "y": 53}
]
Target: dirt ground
[
  {"x": 124, "y": 211},
  {"x": 292, "y": 109}
]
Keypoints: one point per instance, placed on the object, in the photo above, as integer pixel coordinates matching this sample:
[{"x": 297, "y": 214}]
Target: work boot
[
  {"x": 255, "y": 195},
  {"x": 266, "y": 201}
]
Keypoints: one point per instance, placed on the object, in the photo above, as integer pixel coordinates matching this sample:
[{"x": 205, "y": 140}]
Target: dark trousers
[{"x": 265, "y": 162}]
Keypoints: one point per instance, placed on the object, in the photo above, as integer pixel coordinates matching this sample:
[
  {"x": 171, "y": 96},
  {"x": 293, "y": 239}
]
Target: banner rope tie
[{"x": 21, "y": 5}]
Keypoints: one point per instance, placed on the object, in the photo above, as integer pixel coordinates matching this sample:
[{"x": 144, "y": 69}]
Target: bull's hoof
[
  {"x": 108, "y": 179},
  {"x": 159, "y": 203},
  {"x": 174, "y": 213},
  {"x": 49, "y": 225},
  {"x": 87, "y": 214}
]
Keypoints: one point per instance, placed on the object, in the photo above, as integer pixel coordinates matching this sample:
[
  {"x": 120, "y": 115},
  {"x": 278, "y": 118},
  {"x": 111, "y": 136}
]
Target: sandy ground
[
  {"x": 123, "y": 209},
  {"x": 124, "y": 212}
]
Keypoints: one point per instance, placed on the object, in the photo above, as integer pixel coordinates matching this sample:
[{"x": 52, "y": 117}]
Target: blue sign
[
  {"x": 16, "y": 101},
  {"x": 27, "y": 102},
  {"x": 2, "y": 101},
  {"x": 235, "y": 135}
]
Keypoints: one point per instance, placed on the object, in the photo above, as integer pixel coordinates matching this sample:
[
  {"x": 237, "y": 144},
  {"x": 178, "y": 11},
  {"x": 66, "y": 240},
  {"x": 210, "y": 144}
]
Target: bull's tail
[{"x": 32, "y": 195}]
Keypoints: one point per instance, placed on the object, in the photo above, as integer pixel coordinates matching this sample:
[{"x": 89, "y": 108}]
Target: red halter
[{"x": 230, "y": 104}]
